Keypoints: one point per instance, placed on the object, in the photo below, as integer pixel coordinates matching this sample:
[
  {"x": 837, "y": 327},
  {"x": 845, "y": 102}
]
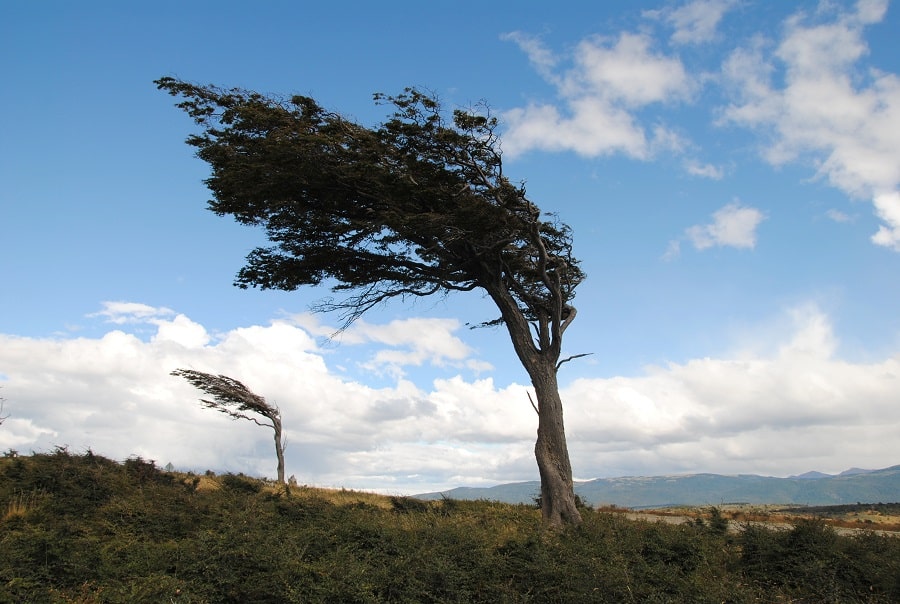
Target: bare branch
[
  {"x": 533, "y": 404},
  {"x": 573, "y": 357},
  {"x": 567, "y": 318}
]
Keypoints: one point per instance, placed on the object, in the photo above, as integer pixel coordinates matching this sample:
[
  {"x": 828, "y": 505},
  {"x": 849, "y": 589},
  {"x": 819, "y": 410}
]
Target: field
[
  {"x": 881, "y": 518},
  {"x": 86, "y": 529}
]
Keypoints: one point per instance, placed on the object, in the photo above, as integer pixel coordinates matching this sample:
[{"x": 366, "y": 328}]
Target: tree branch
[
  {"x": 573, "y": 357},
  {"x": 533, "y": 404}
]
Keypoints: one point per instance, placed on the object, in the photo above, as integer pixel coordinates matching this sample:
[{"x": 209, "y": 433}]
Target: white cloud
[
  {"x": 541, "y": 58},
  {"x": 887, "y": 207},
  {"x": 626, "y": 71},
  {"x": 853, "y": 138},
  {"x": 694, "y": 22},
  {"x": 790, "y": 408},
  {"x": 181, "y": 331},
  {"x": 608, "y": 81},
  {"x": 838, "y": 216},
  {"x": 130, "y": 312},
  {"x": 412, "y": 342},
  {"x": 695, "y": 168},
  {"x": 733, "y": 226},
  {"x": 673, "y": 250}
]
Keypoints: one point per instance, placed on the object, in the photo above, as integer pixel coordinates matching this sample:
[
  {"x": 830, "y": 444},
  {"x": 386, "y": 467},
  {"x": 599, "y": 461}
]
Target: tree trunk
[
  {"x": 557, "y": 488},
  {"x": 551, "y": 451},
  {"x": 279, "y": 453}
]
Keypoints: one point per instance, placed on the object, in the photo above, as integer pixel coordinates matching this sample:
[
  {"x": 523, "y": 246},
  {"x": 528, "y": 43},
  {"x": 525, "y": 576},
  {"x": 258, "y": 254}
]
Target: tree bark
[
  {"x": 557, "y": 487},
  {"x": 279, "y": 453}
]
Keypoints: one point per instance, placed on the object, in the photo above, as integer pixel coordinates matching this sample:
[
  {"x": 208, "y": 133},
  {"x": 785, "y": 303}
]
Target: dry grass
[
  {"x": 21, "y": 503},
  {"x": 861, "y": 519}
]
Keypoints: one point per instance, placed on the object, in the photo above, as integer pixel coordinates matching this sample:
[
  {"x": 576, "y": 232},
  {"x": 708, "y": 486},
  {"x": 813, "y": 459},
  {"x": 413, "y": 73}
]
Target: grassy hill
[{"x": 86, "y": 529}]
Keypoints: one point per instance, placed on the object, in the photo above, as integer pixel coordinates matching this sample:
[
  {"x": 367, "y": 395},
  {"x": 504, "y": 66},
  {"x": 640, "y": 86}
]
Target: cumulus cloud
[
  {"x": 733, "y": 226},
  {"x": 609, "y": 80},
  {"x": 695, "y": 22},
  {"x": 852, "y": 140},
  {"x": 785, "y": 407}
]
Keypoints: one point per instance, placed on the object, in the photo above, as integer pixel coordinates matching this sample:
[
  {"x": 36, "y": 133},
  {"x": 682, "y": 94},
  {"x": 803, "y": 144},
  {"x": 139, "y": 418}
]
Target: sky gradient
[{"x": 731, "y": 170}]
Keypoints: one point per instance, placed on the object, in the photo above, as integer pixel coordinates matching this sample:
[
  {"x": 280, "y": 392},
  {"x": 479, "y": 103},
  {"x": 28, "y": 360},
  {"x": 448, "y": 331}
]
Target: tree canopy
[{"x": 415, "y": 207}]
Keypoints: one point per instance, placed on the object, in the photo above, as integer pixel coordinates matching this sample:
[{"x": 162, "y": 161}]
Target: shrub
[{"x": 240, "y": 483}]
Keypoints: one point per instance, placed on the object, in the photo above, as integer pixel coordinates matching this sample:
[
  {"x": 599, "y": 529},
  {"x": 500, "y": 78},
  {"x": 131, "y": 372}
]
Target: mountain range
[{"x": 812, "y": 488}]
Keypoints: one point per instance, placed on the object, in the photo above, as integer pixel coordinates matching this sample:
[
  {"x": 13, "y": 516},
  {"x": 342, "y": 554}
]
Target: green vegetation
[{"x": 83, "y": 528}]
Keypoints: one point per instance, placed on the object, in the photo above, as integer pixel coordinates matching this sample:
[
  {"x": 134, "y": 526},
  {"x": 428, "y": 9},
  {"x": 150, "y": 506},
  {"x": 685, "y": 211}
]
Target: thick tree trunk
[
  {"x": 551, "y": 451},
  {"x": 557, "y": 488}
]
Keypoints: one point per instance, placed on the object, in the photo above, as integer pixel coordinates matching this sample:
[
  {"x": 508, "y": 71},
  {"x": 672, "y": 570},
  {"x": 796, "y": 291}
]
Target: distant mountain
[
  {"x": 854, "y": 471},
  {"x": 812, "y": 475},
  {"x": 812, "y": 488}
]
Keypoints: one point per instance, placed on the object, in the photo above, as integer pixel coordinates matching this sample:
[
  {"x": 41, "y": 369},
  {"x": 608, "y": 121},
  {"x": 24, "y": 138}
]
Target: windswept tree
[
  {"x": 416, "y": 206},
  {"x": 232, "y": 398}
]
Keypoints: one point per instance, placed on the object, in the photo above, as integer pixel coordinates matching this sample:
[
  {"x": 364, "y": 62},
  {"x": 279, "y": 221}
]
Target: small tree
[
  {"x": 415, "y": 207},
  {"x": 236, "y": 400},
  {"x": 2, "y": 417}
]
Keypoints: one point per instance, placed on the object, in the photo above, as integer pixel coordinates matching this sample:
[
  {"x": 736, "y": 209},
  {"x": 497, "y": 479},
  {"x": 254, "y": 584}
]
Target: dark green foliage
[
  {"x": 408, "y": 504},
  {"x": 813, "y": 564},
  {"x": 240, "y": 483},
  {"x": 716, "y": 524},
  {"x": 81, "y": 528},
  {"x": 416, "y": 206}
]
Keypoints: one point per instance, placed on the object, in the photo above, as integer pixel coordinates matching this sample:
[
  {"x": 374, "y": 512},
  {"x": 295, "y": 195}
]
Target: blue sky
[{"x": 731, "y": 170}]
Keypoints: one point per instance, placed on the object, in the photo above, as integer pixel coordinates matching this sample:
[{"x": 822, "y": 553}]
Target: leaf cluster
[{"x": 418, "y": 205}]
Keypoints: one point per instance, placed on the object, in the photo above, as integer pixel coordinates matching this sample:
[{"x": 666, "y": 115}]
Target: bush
[{"x": 241, "y": 484}]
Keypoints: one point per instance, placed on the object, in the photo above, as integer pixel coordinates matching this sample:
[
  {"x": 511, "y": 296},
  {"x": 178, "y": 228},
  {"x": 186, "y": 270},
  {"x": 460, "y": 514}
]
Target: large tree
[
  {"x": 232, "y": 398},
  {"x": 416, "y": 206}
]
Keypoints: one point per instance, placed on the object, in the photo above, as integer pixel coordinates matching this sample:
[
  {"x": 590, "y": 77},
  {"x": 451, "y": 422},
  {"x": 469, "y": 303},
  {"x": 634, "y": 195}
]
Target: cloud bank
[{"x": 786, "y": 406}]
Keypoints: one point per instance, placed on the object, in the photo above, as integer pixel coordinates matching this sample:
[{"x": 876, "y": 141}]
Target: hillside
[
  {"x": 709, "y": 489},
  {"x": 85, "y": 529}
]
